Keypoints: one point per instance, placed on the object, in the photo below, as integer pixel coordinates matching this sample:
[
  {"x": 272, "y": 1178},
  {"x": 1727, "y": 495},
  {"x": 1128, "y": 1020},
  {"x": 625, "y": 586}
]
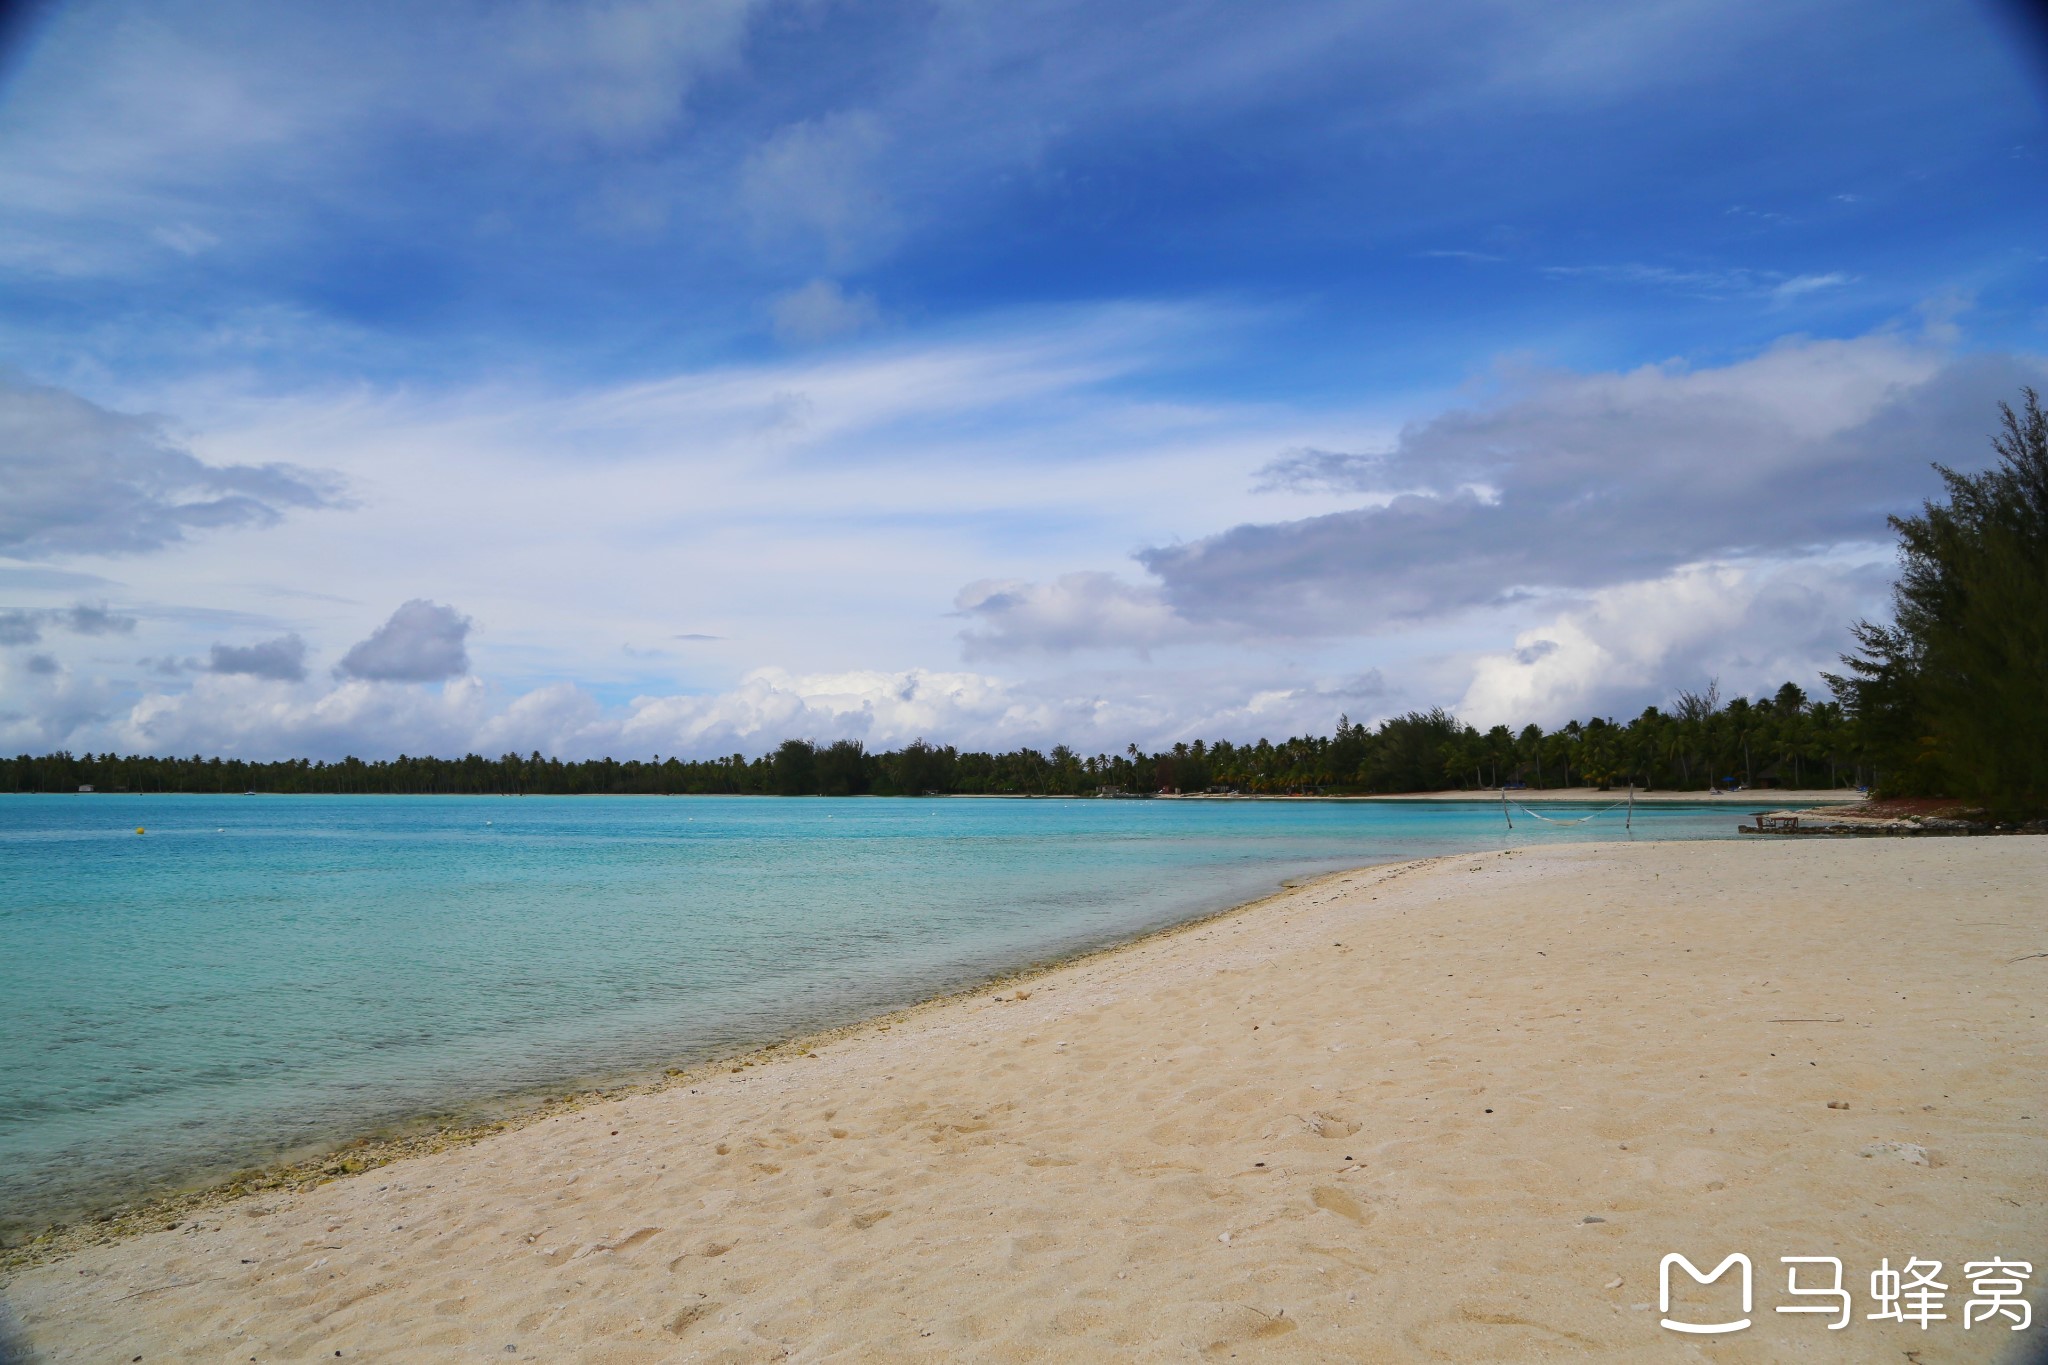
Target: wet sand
[{"x": 1452, "y": 1110}]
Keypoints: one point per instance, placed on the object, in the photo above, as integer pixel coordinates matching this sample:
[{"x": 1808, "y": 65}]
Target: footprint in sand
[
  {"x": 1247, "y": 1324},
  {"x": 689, "y": 1317},
  {"x": 1337, "y": 1202},
  {"x": 1325, "y": 1125}
]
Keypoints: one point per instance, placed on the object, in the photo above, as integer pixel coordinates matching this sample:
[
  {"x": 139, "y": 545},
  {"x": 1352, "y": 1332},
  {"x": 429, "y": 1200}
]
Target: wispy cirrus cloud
[
  {"x": 1707, "y": 282},
  {"x": 822, "y": 311}
]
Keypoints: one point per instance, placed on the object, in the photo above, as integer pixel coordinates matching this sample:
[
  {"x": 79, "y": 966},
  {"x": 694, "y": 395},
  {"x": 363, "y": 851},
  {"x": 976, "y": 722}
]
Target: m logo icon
[{"x": 1664, "y": 1292}]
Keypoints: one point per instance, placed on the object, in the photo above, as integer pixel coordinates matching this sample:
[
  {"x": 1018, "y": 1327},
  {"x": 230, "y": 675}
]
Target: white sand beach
[{"x": 1451, "y": 1110}]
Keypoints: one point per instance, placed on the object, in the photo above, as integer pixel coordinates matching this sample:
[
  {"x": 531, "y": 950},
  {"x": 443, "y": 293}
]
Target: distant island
[
  {"x": 1950, "y": 700},
  {"x": 1784, "y": 740}
]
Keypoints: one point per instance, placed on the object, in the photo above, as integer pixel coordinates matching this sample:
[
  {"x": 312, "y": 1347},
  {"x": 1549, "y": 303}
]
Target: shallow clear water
[{"x": 260, "y": 973}]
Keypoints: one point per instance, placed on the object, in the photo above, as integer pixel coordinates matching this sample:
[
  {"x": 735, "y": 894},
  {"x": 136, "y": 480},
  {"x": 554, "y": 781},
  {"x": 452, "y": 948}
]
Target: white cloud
[
  {"x": 1578, "y": 482},
  {"x": 245, "y": 714},
  {"x": 882, "y": 708},
  {"x": 823, "y": 511},
  {"x": 1074, "y": 611},
  {"x": 1751, "y": 625},
  {"x": 1807, "y": 284},
  {"x": 255, "y": 717},
  {"x": 43, "y": 704},
  {"x": 283, "y": 659},
  {"x": 80, "y": 478},
  {"x": 422, "y": 642},
  {"x": 1707, "y": 282}
]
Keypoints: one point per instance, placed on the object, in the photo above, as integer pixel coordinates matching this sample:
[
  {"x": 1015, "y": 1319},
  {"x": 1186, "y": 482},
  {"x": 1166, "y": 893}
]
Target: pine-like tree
[{"x": 1952, "y": 697}]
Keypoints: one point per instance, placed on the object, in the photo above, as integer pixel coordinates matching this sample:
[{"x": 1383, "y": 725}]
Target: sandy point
[{"x": 1450, "y": 1110}]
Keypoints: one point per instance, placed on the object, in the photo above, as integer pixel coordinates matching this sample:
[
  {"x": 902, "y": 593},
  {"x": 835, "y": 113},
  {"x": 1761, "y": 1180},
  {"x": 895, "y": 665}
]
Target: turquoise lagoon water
[{"x": 260, "y": 974}]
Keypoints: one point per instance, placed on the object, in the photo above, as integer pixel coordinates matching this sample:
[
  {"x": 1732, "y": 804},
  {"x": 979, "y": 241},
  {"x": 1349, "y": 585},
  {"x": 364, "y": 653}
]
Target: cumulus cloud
[
  {"x": 83, "y": 479},
  {"x": 1561, "y": 486},
  {"x": 821, "y": 311},
  {"x": 240, "y": 714},
  {"x": 1751, "y": 625},
  {"x": 281, "y": 660},
  {"x": 44, "y": 704},
  {"x": 889, "y": 709},
  {"x": 883, "y": 708},
  {"x": 245, "y": 716},
  {"x": 20, "y": 628},
  {"x": 1579, "y": 482},
  {"x": 422, "y": 642}
]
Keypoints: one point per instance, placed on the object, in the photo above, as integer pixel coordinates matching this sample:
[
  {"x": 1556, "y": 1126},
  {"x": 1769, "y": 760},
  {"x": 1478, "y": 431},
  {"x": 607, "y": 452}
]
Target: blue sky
[{"x": 677, "y": 376}]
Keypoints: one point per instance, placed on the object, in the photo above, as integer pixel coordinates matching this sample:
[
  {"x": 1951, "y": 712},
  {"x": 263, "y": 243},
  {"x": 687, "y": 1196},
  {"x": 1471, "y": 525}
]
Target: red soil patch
[{"x": 1908, "y": 807}]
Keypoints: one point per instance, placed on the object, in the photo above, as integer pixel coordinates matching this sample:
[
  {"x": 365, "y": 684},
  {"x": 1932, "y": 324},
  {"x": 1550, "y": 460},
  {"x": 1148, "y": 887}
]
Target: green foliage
[
  {"x": 1952, "y": 698},
  {"x": 795, "y": 768},
  {"x": 842, "y": 769}
]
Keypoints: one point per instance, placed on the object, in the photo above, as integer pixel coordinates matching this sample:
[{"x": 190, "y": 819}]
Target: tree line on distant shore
[
  {"x": 1783, "y": 740},
  {"x": 1951, "y": 700}
]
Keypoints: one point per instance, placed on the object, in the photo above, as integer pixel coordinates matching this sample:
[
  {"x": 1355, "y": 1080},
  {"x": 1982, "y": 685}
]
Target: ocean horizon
[{"x": 256, "y": 977}]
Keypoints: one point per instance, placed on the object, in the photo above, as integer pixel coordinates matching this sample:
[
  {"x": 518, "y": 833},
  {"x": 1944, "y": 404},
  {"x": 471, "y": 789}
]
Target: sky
[{"x": 671, "y": 378}]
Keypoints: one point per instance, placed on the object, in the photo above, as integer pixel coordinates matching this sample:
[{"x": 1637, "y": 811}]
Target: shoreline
[
  {"x": 1453, "y": 1107},
  {"x": 404, "y": 1139},
  {"x": 1490, "y": 796},
  {"x": 170, "y": 1202}
]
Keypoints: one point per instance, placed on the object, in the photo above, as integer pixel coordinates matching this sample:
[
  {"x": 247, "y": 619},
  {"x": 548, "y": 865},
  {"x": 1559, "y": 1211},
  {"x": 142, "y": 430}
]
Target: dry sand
[{"x": 1453, "y": 1110}]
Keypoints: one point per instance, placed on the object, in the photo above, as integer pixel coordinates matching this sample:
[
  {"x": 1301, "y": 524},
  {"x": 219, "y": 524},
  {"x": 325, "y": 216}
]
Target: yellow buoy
[{"x": 138, "y": 829}]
